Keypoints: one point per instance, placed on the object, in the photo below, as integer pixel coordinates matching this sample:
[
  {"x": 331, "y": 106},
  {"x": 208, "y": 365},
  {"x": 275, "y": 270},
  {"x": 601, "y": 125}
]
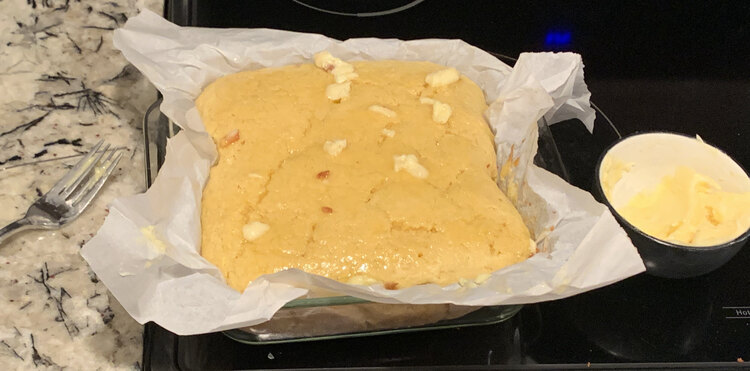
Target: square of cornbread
[{"x": 385, "y": 175}]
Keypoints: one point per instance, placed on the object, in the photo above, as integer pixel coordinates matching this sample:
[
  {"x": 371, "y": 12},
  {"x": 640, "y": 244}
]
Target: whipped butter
[
  {"x": 690, "y": 209},
  {"x": 672, "y": 197}
]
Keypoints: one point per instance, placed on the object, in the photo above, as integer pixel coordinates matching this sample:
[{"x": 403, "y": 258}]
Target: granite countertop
[{"x": 64, "y": 87}]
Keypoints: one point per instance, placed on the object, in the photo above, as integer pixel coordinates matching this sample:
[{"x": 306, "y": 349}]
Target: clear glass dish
[
  {"x": 309, "y": 319},
  {"x": 334, "y": 321}
]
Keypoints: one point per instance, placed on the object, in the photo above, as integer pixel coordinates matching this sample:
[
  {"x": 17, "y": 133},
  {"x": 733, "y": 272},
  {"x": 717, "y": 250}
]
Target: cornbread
[{"x": 363, "y": 172}]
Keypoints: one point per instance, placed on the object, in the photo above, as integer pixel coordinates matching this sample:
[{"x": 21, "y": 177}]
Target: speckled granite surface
[{"x": 62, "y": 88}]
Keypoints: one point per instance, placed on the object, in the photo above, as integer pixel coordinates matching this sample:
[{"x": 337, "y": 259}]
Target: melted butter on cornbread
[
  {"x": 353, "y": 217},
  {"x": 441, "y": 112}
]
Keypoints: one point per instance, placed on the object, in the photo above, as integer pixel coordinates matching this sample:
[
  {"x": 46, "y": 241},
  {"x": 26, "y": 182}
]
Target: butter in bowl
[{"x": 684, "y": 203}]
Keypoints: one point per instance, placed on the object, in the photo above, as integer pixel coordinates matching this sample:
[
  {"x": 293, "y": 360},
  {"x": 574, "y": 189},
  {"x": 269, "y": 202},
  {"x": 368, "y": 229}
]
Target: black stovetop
[{"x": 653, "y": 65}]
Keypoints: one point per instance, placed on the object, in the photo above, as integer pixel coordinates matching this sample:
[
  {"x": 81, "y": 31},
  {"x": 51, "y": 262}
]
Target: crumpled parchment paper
[{"x": 160, "y": 276}]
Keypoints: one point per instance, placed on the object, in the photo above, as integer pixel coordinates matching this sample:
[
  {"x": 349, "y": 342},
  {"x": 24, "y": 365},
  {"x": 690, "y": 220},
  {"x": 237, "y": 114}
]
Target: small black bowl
[{"x": 667, "y": 259}]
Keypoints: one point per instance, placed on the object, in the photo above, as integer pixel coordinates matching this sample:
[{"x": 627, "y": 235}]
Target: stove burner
[{"x": 355, "y": 8}]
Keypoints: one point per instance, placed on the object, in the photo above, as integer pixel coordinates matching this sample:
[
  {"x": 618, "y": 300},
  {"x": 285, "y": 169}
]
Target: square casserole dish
[{"x": 311, "y": 318}]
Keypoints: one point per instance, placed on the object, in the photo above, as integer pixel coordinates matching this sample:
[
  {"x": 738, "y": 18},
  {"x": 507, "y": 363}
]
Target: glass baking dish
[{"x": 308, "y": 319}]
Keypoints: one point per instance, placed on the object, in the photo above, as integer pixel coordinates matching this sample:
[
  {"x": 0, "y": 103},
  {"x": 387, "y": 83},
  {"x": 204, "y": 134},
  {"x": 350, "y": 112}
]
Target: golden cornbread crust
[{"x": 345, "y": 212}]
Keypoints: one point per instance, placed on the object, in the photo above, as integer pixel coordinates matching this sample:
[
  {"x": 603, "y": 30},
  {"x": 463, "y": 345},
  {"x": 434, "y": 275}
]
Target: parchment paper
[{"x": 161, "y": 277}]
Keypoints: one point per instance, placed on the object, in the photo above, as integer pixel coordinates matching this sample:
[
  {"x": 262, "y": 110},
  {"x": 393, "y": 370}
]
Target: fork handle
[{"x": 16, "y": 226}]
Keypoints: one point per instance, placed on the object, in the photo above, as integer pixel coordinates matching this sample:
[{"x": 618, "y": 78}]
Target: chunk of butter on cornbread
[{"x": 359, "y": 187}]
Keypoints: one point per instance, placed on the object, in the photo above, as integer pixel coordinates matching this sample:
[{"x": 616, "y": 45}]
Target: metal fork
[{"x": 70, "y": 195}]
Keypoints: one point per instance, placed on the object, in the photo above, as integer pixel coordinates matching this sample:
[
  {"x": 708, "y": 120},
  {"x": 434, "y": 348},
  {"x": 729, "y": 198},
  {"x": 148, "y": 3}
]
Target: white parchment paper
[{"x": 160, "y": 276}]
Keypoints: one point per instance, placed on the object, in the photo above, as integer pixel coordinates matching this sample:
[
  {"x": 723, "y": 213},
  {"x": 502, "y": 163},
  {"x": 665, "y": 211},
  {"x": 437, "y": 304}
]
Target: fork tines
[{"x": 85, "y": 178}]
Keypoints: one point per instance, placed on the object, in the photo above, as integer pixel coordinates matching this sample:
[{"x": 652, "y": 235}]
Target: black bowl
[{"x": 667, "y": 259}]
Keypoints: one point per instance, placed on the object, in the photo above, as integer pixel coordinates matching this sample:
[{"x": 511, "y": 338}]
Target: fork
[{"x": 70, "y": 195}]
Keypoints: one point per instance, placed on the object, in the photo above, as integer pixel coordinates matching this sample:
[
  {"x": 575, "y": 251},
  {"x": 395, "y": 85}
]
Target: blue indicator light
[{"x": 558, "y": 38}]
